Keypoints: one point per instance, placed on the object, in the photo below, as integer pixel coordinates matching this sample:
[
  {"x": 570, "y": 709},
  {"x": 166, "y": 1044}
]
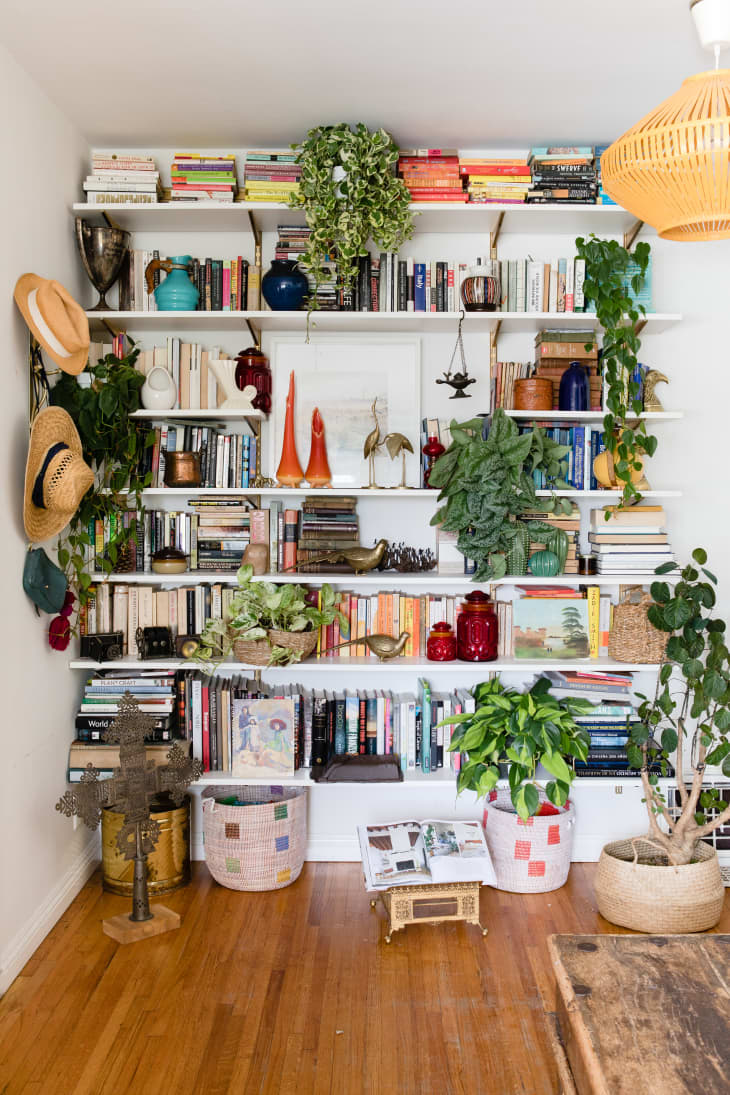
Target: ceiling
[{"x": 237, "y": 73}]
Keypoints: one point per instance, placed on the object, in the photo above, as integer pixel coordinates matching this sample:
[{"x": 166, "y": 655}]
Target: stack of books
[
  {"x": 224, "y": 533},
  {"x": 563, "y": 174},
  {"x": 325, "y": 524},
  {"x": 632, "y": 540},
  {"x": 556, "y": 350},
  {"x": 569, "y": 523},
  {"x": 432, "y": 174},
  {"x": 271, "y": 176},
  {"x": 292, "y": 240},
  {"x": 499, "y": 179},
  {"x": 121, "y": 178},
  {"x": 603, "y": 198},
  {"x": 291, "y": 244},
  {"x": 197, "y": 177}
]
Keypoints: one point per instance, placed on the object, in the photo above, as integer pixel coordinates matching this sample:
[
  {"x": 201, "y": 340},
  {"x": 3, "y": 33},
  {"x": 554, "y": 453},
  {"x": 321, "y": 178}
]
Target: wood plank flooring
[{"x": 293, "y": 993}]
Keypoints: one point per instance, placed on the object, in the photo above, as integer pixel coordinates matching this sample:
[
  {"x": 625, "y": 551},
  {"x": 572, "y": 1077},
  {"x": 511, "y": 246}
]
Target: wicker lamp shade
[{"x": 672, "y": 169}]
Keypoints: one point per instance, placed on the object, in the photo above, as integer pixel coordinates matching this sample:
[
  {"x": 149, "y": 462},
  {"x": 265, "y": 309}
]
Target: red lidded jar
[
  {"x": 253, "y": 368},
  {"x": 476, "y": 629},
  {"x": 441, "y": 643},
  {"x": 431, "y": 450}
]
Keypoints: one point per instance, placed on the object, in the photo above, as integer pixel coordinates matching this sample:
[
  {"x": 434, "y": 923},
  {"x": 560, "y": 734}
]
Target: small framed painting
[{"x": 343, "y": 377}]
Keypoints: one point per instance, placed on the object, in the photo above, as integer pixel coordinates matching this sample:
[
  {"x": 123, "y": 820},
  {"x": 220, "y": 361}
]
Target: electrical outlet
[
  {"x": 75, "y": 821},
  {"x": 618, "y": 790}
]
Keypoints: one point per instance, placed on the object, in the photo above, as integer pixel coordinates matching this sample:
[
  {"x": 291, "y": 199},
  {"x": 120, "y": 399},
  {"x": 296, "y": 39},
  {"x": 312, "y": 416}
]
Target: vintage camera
[
  {"x": 105, "y": 647},
  {"x": 155, "y": 642}
]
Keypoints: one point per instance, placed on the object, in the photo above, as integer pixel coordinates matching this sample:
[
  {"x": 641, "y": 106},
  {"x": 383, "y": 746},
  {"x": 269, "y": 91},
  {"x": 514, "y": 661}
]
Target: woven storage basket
[
  {"x": 255, "y": 652},
  {"x": 304, "y": 642},
  {"x": 531, "y": 856},
  {"x": 259, "y": 846},
  {"x": 632, "y": 637},
  {"x": 533, "y": 394},
  {"x": 660, "y": 900}
]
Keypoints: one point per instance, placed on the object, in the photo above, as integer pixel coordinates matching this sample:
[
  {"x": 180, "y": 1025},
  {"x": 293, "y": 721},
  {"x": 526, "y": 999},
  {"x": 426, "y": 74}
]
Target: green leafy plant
[
  {"x": 488, "y": 484},
  {"x": 113, "y": 446},
  {"x": 607, "y": 274},
  {"x": 368, "y": 202},
  {"x": 520, "y": 730},
  {"x": 690, "y": 706},
  {"x": 259, "y": 607}
]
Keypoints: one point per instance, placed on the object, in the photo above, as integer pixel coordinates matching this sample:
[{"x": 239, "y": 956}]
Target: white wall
[{"x": 42, "y": 859}]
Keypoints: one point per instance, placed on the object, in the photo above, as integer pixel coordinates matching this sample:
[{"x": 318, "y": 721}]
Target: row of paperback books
[
  {"x": 584, "y": 444},
  {"x": 224, "y": 285},
  {"x": 226, "y": 459},
  {"x": 120, "y": 178},
  {"x": 271, "y": 176},
  {"x": 203, "y": 178}
]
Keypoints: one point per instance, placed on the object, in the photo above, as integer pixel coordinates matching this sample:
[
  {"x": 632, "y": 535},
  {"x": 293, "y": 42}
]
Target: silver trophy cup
[{"x": 102, "y": 252}]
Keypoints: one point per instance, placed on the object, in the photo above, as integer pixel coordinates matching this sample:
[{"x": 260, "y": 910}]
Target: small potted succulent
[{"x": 267, "y": 624}]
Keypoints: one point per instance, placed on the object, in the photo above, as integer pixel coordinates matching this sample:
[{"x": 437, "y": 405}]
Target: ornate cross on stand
[{"x": 131, "y": 788}]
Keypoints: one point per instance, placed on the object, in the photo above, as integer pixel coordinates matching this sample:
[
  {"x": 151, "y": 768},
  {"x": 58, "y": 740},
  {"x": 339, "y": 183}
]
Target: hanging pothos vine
[
  {"x": 113, "y": 445},
  {"x": 609, "y": 275}
]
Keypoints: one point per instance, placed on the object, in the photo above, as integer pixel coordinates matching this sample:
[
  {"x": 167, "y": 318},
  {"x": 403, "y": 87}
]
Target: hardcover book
[{"x": 551, "y": 628}]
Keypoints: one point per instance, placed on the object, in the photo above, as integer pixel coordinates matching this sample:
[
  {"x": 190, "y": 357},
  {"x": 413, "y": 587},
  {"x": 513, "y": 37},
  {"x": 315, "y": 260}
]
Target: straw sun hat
[
  {"x": 56, "y": 476},
  {"x": 56, "y": 320}
]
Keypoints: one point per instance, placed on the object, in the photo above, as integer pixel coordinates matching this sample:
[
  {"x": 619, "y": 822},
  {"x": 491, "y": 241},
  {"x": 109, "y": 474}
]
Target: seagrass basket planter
[
  {"x": 258, "y": 652},
  {"x": 654, "y": 896},
  {"x": 531, "y": 856},
  {"x": 259, "y": 842},
  {"x": 632, "y": 637}
]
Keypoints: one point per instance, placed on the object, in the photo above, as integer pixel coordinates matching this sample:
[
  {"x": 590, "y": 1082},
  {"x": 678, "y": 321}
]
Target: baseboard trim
[{"x": 22, "y": 947}]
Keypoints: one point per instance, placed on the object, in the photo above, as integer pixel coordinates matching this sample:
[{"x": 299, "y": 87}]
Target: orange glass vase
[
  {"x": 318, "y": 472},
  {"x": 289, "y": 473}
]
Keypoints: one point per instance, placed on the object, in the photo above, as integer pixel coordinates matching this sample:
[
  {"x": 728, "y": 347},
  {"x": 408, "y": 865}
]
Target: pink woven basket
[
  {"x": 531, "y": 856},
  {"x": 259, "y": 845}
]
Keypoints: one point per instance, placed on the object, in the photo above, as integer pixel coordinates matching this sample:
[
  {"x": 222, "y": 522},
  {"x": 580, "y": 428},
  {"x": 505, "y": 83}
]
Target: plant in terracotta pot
[
  {"x": 516, "y": 732},
  {"x": 278, "y": 623},
  {"x": 487, "y": 484},
  {"x": 688, "y": 716}
]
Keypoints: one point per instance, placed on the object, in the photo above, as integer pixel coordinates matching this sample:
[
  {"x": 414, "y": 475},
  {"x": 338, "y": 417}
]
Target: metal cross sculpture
[{"x": 131, "y": 788}]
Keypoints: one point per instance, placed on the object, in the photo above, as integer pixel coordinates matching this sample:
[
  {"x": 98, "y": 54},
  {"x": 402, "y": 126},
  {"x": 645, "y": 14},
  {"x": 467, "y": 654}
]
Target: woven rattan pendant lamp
[{"x": 672, "y": 169}]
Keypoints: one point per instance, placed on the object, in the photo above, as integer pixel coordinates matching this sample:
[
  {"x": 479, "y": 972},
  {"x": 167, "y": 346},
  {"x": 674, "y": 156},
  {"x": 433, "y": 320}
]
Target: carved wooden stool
[{"x": 432, "y": 904}]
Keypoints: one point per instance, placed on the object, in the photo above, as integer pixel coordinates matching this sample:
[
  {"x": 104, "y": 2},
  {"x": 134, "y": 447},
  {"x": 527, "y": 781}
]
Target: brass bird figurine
[
  {"x": 398, "y": 443},
  {"x": 651, "y": 401},
  {"x": 361, "y": 559},
  {"x": 384, "y": 647},
  {"x": 373, "y": 442}
]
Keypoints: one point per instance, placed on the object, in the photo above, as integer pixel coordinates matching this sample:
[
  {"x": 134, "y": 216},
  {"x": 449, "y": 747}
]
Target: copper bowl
[{"x": 182, "y": 469}]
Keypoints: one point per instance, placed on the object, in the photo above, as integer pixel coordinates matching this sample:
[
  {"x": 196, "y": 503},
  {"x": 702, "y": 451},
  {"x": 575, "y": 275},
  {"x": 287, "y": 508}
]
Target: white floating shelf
[
  {"x": 443, "y": 778},
  {"x": 219, "y": 415},
  {"x": 478, "y": 322},
  {"x": 588, "y": 416},
  {"x": 380, "y": 579},
  {"x": 419, "y": 666},
  {"x": 415, "y": 494}
]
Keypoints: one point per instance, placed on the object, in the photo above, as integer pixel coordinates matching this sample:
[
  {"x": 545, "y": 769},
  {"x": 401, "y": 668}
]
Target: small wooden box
[{"x": 430, "y": 904}]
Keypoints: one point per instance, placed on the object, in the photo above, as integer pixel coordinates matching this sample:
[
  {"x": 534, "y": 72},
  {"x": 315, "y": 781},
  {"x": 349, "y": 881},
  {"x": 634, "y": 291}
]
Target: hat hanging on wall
[
  {"x": 56, "y": 321},
  {"x": 43, "y": 581},
  {"x": 56, "y": 475}
]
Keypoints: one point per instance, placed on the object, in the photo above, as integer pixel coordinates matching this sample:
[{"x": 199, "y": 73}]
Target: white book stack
[{"x": 631, "y": 541}]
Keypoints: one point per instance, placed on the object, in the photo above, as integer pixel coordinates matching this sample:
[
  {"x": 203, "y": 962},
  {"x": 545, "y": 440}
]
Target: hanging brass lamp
[{"x": 672, "y": 169}]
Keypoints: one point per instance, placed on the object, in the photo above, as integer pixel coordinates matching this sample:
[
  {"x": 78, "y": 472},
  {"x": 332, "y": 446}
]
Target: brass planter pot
[
  {"x": 182, "y": 469},
  {"x": 168, "y": 866}
]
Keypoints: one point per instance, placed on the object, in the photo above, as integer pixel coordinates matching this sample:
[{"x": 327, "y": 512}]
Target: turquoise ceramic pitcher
[{"x": 177, "y": 292}]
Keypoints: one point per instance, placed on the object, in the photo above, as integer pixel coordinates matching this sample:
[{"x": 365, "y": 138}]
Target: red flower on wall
[{"x": 59, "y": 633}]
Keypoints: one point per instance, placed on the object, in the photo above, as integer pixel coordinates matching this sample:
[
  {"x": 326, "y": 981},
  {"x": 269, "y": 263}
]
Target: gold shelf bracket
[
  {"x": 255, "y": 334},
  {"x": 494, "y": 236},
  {"x": 493, "y": 338},
  {"x": 632, "y": 233},
  {"x": 255, "y": 230}
]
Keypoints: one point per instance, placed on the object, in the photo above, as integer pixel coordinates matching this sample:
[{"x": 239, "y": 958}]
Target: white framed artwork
[{"x": 342, "y": 376}]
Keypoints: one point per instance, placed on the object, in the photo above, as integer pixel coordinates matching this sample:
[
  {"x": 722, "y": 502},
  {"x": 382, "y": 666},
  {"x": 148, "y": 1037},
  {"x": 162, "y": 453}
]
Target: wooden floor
[{"x": 292, "y": 992}]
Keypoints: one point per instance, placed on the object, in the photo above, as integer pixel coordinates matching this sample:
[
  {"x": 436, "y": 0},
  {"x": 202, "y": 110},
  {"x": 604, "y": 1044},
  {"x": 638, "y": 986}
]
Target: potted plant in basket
[
  {"x": 267, "y": 624},
  {"x": 529, "y": 826},
  {"x": 669, "y": 880}
]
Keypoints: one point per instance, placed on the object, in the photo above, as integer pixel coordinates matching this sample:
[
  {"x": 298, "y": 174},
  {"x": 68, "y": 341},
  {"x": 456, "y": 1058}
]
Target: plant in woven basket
[
  {"x": 113, "y": 446},
  {"x": 520, "y": 730},
  {"x": 259, "y": 609},
  {"x": 488, "y": 484},
  {"x": 689, "y": 712},
  {"x": 608, "y": 273}
]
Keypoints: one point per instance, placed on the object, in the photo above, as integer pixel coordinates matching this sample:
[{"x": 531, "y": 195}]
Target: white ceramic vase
[
  {"x": 225, "y": 373},
  {"x": 159, "y": 392}
]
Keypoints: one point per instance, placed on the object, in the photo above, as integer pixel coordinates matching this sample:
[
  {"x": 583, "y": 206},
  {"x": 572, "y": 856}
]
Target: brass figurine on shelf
[
  {"x": 361, "y": 559},
  {"x": 407, "y": 560},
  {"x": 652, "y": 402},
  {"x": 384, "y": 647},
  {"x": 398, "y": 443},
  {"x": 394, "y": 442},
  {"x": 131, "y": 788}
]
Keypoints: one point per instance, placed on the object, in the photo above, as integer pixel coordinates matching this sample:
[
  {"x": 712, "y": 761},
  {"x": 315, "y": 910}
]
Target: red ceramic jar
[
  {"x": 441, "y": 643},
  {"x": 253, "y": 368},
  {"x": 476, "y": 629},
  {"x": 431, "y": 450}
]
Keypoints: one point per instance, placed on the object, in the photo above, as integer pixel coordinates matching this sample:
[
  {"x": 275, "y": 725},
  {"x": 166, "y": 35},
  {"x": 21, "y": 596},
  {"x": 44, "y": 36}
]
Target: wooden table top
[{"x": 645, "y": 1013}]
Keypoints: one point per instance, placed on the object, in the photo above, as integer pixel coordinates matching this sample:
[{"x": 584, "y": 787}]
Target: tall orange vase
[
  {"x": 289, "y": 473},
  {"x": 318, "y": 472}
]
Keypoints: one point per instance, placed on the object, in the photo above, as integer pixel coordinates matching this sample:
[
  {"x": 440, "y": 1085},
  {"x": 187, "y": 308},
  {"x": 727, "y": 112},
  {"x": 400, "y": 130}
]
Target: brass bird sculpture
[
  {"x": 384, "y": 647},
  {"x": 361, "y": 559},
  {"x": 651, "y": 401},
  {"x": 398, "y": 443},
  {"x": 373, "y": 442}
]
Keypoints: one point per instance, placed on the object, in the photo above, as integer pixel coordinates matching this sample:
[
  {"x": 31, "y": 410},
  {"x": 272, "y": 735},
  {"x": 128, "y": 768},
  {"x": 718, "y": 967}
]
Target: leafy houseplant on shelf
[
  {"x": 113, "y": 445},
  {"x": 607, "y": 272},
  {"x": 519, "y": 731},
  {"x": 267, "y": 624},
  {"x": 488, "y": 484},
  {"x": 670, "y": 881}
]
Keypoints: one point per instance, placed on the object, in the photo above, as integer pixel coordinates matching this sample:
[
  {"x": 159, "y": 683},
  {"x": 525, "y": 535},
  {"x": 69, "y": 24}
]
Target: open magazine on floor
[{"x": 416, "y": 853}]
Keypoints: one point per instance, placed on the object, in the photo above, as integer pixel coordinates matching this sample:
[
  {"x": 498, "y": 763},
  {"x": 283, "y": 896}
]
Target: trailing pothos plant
[
  {"x": 689, "y": 712},
  {"x": 521, "y": 730},
  {"x": 350, "y": 194},
  {"x": 608, "y": 275},
  {"x": 113, "y": 446},
  {"x": 488, "y": 484}
]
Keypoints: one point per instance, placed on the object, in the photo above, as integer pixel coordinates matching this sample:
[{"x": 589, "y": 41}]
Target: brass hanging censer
[{"x": 461, "y": 380}]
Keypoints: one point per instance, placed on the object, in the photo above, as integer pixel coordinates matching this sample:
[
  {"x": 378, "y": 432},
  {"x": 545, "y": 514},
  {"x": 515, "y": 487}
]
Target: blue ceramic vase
[
  {"x": 176, "y": 292},
  {"x": 575, "y": 392},
  {"x": 284, "y": 286}
]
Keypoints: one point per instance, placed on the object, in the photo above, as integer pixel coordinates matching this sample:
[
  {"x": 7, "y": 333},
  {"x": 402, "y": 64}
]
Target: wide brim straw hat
[
  {"x": 55, "y": 319},
  {"x": 56, "y": 475}
]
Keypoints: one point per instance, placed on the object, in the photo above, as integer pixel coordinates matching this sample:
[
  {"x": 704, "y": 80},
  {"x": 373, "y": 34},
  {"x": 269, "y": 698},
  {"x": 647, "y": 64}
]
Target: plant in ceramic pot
[
  {"x": 516, "y": 732},
  {"x": 276, "y": 622},
  {"x": 487, "y": 484},
  {"x": 669, "y": 880}
]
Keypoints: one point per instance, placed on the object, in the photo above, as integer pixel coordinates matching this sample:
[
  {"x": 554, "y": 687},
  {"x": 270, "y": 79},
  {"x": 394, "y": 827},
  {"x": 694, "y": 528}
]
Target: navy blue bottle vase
[
  {"x": 284, "y": 286},
  {"x": 575, "y": 393}
]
